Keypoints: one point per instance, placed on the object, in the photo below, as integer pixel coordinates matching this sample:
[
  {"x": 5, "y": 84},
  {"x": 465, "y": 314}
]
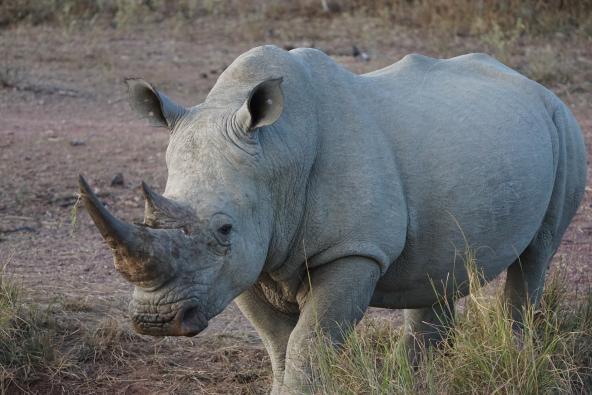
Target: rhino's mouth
[{"x": 189, "y": 320}]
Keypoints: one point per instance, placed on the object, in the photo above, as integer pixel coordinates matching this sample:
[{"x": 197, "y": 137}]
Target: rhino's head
[{"x": 207, "y": 238}]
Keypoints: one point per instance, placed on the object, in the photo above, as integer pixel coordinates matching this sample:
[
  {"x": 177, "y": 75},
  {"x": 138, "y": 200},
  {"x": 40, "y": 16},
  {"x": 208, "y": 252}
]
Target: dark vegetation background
[
  {"x": 462, "y": 17},
  {"x": 63, "y": 111}
]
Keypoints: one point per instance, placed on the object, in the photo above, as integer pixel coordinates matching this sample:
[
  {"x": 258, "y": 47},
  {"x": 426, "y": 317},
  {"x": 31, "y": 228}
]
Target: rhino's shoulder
[
  {"x": 416, "y": 59},
  {"x": 410, "y": 64},
  {"x": 480, "y": 64}
]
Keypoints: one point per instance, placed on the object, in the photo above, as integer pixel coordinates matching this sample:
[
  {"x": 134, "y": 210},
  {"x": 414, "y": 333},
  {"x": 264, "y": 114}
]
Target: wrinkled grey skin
[{"x": 372, "y": 181}]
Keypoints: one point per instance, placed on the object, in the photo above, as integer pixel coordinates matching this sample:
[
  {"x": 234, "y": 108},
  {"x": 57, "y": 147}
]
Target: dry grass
[
  {"x": 552, "y": 354},
  {"x": 57, "y": 348},
  {"x": 547, "y": 65},
  {"x": 77, "y": 304},
  {"x": 61, "y": 348},
  {"x": 26, "y": 338},
  {"x": 527, "y": 35},
  {"x": 459, "y": 17}
]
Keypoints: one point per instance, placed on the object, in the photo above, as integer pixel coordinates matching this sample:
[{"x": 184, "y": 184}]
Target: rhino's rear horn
[{"x": 162, "y": 212}]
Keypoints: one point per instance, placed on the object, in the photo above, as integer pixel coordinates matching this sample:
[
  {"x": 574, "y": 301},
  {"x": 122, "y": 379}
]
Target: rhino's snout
[
  {"x": 189, "y": 320},
  {"x": 149, "y": 257}
]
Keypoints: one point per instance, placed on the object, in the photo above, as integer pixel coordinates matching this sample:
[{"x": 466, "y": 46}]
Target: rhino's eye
[
  {"x": 223, "y": 234},
  {"x": 221, "y": 227},
  {"x": 225, "y": 229}
]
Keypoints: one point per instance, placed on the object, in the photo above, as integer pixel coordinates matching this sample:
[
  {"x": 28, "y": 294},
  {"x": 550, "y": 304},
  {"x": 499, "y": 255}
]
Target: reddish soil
[{"x": 63, "y": 111}]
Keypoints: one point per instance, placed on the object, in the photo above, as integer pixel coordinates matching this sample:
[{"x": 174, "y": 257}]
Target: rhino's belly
[
  {"x": 418, "y": 282},
  {"x": 495, "y": 215},
  {"x": 424, "y": 287}
]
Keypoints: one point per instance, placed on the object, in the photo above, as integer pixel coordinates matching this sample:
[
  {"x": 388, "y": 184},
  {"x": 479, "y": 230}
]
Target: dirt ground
[{"x": 64, "y": 111}]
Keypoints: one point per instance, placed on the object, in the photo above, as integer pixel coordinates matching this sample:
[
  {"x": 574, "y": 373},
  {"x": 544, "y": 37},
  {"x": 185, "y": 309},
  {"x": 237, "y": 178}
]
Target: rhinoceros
[{"x": 307, "y": 193}]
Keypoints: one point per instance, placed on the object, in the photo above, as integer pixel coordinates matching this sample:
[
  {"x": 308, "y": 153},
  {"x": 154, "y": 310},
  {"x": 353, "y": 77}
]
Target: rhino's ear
[
  {"x": 263, "y": 106},
  {"x": 153, "y": 105}
]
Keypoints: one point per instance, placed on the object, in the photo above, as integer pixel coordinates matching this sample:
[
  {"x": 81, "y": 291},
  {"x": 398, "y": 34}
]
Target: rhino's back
[{"x": 478, "y": 152}]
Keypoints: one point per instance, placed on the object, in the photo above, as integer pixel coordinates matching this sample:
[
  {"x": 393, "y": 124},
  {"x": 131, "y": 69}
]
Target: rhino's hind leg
[
  {"x": 525, "y": 279},
  {"x": 526, "y": 276},
  {"x": 426, "y": 327}
]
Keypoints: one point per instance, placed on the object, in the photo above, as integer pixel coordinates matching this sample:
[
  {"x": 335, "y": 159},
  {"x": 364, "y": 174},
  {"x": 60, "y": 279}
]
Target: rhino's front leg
[
  {"x": 273, "y": 326},
  {"x": 337, "y": 300}
]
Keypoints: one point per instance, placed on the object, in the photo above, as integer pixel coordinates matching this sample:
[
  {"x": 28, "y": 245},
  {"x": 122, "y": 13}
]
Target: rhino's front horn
[{"x": 140, "y": 253}]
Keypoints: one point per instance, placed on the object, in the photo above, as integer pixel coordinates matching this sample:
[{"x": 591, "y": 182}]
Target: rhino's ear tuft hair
[
  {"x": 149, "y": 103},
  {"x": 263, "y": 106}
]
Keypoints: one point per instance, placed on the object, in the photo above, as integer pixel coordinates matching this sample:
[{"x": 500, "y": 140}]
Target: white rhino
[{"x": 369, "y": 182}]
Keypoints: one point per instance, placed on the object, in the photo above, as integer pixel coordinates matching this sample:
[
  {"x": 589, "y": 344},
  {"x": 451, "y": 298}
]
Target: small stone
[
  {"x": 365, "y": 57},
  {"x": 117, "y": 180},
  {"x": 77, "y": 143}
]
